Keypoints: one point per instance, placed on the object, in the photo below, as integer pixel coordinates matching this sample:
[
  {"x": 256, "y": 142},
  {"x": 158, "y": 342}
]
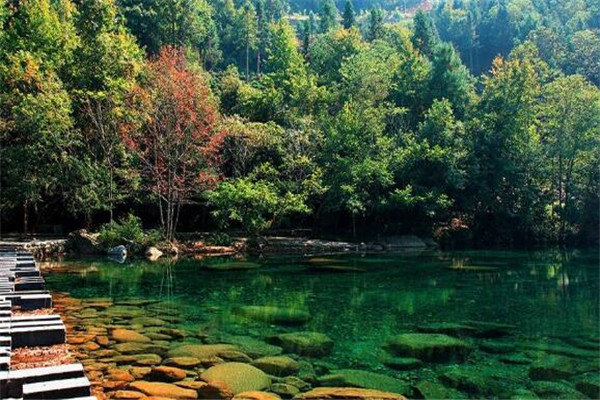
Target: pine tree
[
  {"x": 375, "y": 24},
  {"x": 327, "y": 16},
  {"x": 349, "y": 17}
]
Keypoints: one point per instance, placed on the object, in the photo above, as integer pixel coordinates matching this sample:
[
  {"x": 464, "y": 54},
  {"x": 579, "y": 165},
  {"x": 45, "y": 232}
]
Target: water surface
[{"x": 545, "y": 302}]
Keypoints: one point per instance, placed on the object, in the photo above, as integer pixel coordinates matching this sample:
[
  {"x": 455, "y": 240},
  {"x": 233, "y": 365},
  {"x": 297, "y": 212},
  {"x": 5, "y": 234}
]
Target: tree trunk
[{"x": 25, "y": 216}]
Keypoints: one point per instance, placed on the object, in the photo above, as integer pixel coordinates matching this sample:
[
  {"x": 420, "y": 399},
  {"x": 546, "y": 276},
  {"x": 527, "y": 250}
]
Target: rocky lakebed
[{"x": 357, "y": 328}]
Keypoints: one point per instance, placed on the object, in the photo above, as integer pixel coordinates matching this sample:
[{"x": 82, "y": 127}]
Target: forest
[{"x": 471, "y": 121}]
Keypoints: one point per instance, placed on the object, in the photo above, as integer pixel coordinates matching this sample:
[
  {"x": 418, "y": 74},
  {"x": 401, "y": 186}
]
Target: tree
[
  {"x": 570, "y": 127},
  {"x": 450, "y": 79},
  {"x": 375, "y": 24},
  {"x": 349, "y": 16},
  {"x": 179, "y": 139},
  {"x": 425, "y": 37},
  {"x": 247, "y": 27},
  {"x": 328, "y": 14},
  {"x": 507, "y": 152}
]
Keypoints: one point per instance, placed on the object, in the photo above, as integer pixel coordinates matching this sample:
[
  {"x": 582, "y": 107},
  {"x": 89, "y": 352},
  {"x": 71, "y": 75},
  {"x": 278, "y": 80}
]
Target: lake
[{"x": 469, "y": 324}]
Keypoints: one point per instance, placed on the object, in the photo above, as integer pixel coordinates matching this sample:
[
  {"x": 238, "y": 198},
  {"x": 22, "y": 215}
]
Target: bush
[
  {"x": 219, "y": 239},
  {"x": 128, "y": 230}
]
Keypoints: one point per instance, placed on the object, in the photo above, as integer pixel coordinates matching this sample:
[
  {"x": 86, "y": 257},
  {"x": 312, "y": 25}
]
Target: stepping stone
[{"x": 57, "y": 389}]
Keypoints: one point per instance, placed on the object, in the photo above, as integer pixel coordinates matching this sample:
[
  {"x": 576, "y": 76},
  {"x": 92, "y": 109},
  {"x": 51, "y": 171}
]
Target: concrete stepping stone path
[{"x": 23, "y": 288}]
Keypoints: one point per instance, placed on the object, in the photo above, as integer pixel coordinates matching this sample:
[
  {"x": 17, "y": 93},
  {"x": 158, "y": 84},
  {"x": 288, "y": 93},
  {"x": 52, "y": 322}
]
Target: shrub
[{"x": 127, "y": 230}]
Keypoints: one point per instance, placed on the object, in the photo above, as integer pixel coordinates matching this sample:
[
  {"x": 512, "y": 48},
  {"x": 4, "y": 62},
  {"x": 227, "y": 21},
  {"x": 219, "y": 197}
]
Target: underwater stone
[
  {"x": 327, "y": 393},
  {"x": 277, "y": 365},
  {"x": 433, "y": 390},
  {"x": 164, "y": 390},
  {"x": 238, "y": 376},
  {"x": 402, "y": 363},
  {"x": 448, "y": 328},
  {"x": 256, "y": 395},
  {"x": 126, "y": 335},
  {"x": 233, "y": 266},
  {"x": 200, "y": 351},
  {"x": 555, "y": 390},
  {"x": 183, "y": 362},
  {"x": 589, "y": 384},
  {"x": 272, "y": 314},
  {"x": 306, "y": 343},
  {"x": 432, "y": 347},
  {"x": 364, "y": 379},
  {"x": 167, "y": 374},
  {"x": 552, "y": 368}
]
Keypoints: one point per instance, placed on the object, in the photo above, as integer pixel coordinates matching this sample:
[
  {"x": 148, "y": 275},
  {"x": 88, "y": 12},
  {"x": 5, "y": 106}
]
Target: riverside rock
[
  {"x": 432, "y": 347},
  {"x": 306, "y": 343},
  {"x": 167, "y": 374},
  {"x": 239, "y": 377}
]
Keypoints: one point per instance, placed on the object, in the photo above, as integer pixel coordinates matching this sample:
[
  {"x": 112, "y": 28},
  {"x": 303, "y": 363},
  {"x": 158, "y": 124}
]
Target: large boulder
[
  {"x": 305, "y": 343},
  {"x": 363, "y": 379},
  {"x": 277, "y": 365},
  {"x": 432, "y": 347},
  {"x": 84, "y": 242},
  {"x": 275, "y": 315},
  {"x": 344, "y": 393},
  {"x": 239, "y": 377},
  {"x": 164, "y": 390},
  {"x": 153, "y": 254}
]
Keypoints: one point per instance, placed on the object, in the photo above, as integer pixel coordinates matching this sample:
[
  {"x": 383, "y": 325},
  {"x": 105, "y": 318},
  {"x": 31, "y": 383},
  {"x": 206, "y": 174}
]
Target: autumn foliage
[{"x": 178, "y": 137}]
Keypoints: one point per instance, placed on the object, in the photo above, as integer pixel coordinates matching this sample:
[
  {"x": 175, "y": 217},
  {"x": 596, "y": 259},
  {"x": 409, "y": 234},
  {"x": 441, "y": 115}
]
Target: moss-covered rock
[
  {"x": 555, "y": 390},
  {"x": 364, "y": 379},
  {"x": 305, "y": 343},
  {"x": 401, "y": 363},
  {"x": 588, "y": 384},
  {"x": 200, "y": 351},
  {"x": 434, "y": 390},
  {"x": 448, "y": 328},
  {"x": 431, "y": 347},
  {"x": 275, "y": 315},
  {"x": 238, "y": 376},
  {"x": 256, "y": 395},
  {"x": 277, "y": 365},
  {"x": 551, "y": 368},
  {"x": 183, "y": 362}
]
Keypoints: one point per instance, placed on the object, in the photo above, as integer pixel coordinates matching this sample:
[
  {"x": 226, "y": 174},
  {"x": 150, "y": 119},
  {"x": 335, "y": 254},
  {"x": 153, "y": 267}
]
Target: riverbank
[{"x": 86, "y": 243}]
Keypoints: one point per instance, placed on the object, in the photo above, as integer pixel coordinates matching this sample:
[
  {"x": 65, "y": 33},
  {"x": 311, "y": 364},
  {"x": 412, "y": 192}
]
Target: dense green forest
[{"x": 477, "y": 121}]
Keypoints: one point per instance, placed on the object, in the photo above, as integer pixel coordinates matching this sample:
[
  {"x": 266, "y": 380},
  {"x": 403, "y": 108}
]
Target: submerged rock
[
  {"x": 285, "y": 390},
  {"x": 277, "y": 365},
  {"x": 200, "y": 351},
  {"x": 402, "y": 363},
  {"x": 239, "y": 377},
  {"x": 164, "y": 390},
  {"x": 167, "y": 374},
  {"x": 253, "y": 347},
  {"x": 183, "y": 362},
  {"x": 432, "y": 347},
  {"x": 126, "y": 335},
  {"x": 306, "y": 343},
  {"x": 589, "y": 384},
  {"x": 550, "y": 368},
  {"x": 434, "y": 391},
  {"x": 448, "y": 328},
  {"x": 335, "y": 269},
  {"x": 272, "y": 314},
  {"x": 233, "y": 266},
  {"x": 256, "y": 395},
  {"x": 364, "y": 379},
  {"x": 555, "y": 390},
  {"x": 345, "y": 393}
]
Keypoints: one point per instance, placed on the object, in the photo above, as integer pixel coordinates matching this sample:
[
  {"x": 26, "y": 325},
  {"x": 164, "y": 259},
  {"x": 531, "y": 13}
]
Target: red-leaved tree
[{"x": 178, "y": 136}]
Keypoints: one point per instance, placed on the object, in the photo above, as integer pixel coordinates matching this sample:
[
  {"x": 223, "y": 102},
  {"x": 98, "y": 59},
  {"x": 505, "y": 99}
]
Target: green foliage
[
  {"x": 256, "y": 206},
  {"x": 127, "y": 231}
]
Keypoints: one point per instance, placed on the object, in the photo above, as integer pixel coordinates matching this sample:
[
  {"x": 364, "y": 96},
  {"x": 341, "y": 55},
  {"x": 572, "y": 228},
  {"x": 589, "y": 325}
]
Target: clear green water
[{"x": 548, "y": 299}]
